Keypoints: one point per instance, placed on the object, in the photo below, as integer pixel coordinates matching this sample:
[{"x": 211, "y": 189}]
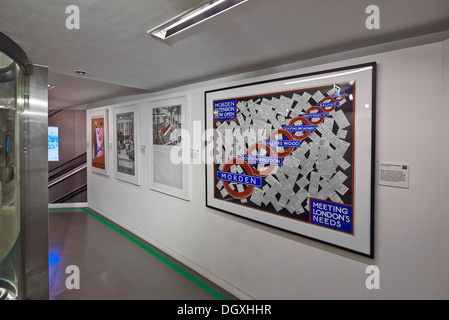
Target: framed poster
[
  {"x": 169, "y": 143},
  {"x": 126, "y": 134},
  {"x": 99, "y": 141},
  {"x": 296, "y": 153}
]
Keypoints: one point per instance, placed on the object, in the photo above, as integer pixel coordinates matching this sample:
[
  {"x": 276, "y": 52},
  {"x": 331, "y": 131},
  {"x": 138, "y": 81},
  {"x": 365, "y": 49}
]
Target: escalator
[{"x": 67, "y": 183}]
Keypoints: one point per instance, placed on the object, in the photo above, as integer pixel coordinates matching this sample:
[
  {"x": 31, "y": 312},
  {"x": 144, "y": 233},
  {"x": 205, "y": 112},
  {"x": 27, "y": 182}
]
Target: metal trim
[{"x": 14, "y": 51}]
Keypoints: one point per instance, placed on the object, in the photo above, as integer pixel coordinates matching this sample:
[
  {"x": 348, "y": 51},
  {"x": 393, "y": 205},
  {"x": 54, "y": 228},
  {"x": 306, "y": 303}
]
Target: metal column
[{"x": 34, "y": 181}]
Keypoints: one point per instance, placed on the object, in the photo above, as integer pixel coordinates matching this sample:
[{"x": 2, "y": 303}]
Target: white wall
[
  {"x": 443, "y": 156},
  {"x": 255, "y": 261}
]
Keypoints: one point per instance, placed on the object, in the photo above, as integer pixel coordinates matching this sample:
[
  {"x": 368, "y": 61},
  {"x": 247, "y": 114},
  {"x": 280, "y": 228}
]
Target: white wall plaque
[{"x": 394, "y": 174}]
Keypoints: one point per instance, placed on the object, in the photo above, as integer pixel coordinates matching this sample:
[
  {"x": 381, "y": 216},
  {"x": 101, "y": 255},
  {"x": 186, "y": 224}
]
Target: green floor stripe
[{"x": 198, "y": 282}]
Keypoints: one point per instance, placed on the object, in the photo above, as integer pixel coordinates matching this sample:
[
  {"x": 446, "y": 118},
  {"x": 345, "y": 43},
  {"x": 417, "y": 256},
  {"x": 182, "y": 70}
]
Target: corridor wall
[
  {"x": 72, "y": 135},
  {"x": 71, "y": 126},
  {"x": 254, "y": 261}
]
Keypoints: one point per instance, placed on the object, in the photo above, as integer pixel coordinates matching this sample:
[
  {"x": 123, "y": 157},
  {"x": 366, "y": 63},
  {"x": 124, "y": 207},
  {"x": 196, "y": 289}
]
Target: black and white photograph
[
  {"x": 125, "y": 143},
  {"x": 126, "y": 124},
  {"x": 167, "y": 126}
]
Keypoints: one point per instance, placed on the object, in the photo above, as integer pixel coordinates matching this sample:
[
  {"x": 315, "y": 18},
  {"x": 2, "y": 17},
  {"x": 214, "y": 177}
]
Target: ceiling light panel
[{"x": 192, "y": 17}]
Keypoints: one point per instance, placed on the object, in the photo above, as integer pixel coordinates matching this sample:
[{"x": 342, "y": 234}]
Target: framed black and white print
[
  {"x": 296, "y": 153},
  {"x": 169, "y": 141},
  {"x": 126, "y": 140}
]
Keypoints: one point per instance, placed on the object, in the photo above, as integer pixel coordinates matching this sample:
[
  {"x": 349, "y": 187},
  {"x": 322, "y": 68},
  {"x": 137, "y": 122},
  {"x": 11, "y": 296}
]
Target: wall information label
[{"x": 394, "y": 174}]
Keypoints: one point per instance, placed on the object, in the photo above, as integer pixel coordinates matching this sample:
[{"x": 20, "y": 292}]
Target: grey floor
[{"x": 116, "y": 266}]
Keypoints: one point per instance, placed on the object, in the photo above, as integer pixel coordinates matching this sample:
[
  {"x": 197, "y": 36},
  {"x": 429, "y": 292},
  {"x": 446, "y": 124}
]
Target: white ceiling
[{"x": 121, "y": 58}]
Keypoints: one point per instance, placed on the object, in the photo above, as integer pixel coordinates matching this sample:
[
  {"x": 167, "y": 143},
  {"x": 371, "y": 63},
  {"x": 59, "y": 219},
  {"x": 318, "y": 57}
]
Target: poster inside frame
[
  {"x": 169, "y": 144},
  {"x": 126, "y": 144},
  {"x": 98, "y": 144},
  {"x": 296, "y": 153}
]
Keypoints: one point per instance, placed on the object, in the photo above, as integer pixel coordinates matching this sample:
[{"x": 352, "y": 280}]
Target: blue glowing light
[{"x": 53, "y": 258}]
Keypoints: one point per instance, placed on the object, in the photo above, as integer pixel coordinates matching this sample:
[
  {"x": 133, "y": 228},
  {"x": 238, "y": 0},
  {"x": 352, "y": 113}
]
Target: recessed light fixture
[
  {"x": 81, "y": 72},
  {"x": 192, "y": 17}
]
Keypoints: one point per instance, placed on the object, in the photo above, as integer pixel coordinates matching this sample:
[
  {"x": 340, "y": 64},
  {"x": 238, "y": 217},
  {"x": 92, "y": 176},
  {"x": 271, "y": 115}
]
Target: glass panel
[{"x": 9, "y": 180}]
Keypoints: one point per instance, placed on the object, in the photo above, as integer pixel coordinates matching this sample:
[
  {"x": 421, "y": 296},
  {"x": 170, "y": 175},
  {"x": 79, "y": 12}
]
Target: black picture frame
[{"x": 224, "y": 107}]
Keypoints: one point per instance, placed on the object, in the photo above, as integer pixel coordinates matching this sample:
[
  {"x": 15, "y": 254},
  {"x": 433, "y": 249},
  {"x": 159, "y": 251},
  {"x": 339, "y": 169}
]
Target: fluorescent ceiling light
[{"x": 192, "y": 17}]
